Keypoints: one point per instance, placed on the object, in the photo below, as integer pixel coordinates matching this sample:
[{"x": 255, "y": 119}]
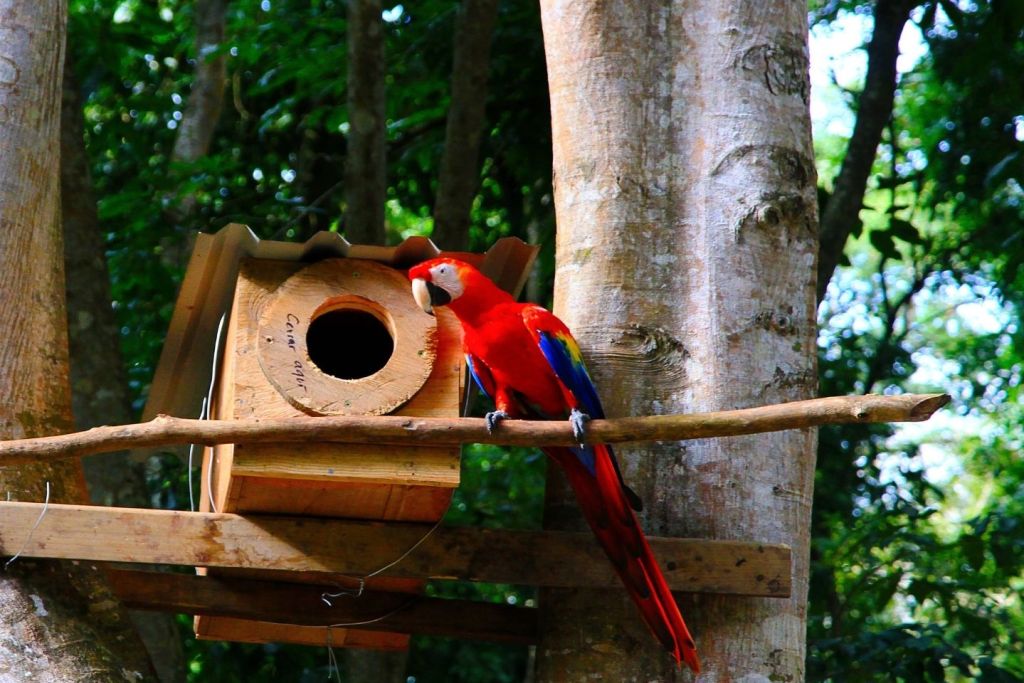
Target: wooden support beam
[
  {"x": 357, "y": 548},
  {"x": 399, "y": 430},
  {"x": 301, "y": 604}
]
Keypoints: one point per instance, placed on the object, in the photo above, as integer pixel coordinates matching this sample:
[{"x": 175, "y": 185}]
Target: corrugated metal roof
[{"x": 182, "y": 376}]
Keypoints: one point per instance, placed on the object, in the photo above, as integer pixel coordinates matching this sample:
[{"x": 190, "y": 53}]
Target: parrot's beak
[
  {"x": 422, "y": 296},
  {"x": 428, "y": 295}
]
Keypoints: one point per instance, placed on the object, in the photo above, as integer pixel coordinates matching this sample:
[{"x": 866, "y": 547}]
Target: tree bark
[
  {"x": 874, "y": 107},
  {"x": 206, "y": 99},
  {"x": 460, "y": 170},
  {"x": 685, "y": 198},
  {"x": 365, "y": 170},
  {"x": 99, "y": 384},
  {"x": 61, "y": 619}
]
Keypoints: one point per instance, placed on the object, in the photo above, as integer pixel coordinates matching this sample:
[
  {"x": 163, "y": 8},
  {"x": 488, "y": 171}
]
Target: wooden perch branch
[{"x": 393, "y": 430}]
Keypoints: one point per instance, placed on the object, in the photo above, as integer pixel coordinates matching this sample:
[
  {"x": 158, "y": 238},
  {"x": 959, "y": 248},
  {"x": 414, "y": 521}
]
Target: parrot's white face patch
[{"x": 446, "y": 276}]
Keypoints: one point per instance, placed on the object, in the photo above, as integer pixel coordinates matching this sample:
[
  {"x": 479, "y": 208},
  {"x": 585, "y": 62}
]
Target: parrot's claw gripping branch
[
  {"x": 493, "y": 418},
  {"x": 578, "y": 419}
]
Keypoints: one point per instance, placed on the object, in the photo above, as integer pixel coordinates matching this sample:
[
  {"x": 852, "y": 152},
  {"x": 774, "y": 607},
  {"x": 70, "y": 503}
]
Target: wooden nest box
[
  {"x": 337, "y": 337},
  {"x": 322, "y": 328}
]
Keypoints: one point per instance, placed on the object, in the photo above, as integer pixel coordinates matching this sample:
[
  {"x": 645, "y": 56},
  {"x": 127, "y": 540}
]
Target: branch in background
[
  {"x": 198, "y": 121},
  {"x": 395, "y": 430},
  {"x": 205, "y": 101},
  {"x": 841, "y": 215},
  {"x": 99, "y": 384},
  {"x": 460, "y": 169},
  {"x": 365, "y": 171},
  {"x": 365, "y": 193}
]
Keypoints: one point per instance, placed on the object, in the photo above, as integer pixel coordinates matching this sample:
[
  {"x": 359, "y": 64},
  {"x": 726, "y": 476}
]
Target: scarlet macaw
[{"x": 526, "y": 360}]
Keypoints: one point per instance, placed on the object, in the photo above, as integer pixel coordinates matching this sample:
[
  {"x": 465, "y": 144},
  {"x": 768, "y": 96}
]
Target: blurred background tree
[{"x": 918, "y": 535}]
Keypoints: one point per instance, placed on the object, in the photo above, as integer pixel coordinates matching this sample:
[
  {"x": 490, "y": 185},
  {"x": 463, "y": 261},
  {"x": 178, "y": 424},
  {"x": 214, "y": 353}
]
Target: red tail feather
[{"x": 607, "y": 510}]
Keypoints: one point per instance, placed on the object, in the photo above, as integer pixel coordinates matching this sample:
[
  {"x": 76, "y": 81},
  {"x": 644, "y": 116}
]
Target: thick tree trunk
[
  {"x": 874, "y": 107},
  {"x": 685, "y": 197},
  {"x": 99, "y": 384},
  {"x": 62, "y": 621},
  {"x": 460, "y": 169},
  {"x": 365, "y": 170}
]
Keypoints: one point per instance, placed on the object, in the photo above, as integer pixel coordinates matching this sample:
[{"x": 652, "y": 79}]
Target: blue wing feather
[
  {"x": 563, "y": 355},
  {"x": 480, "y": 375},
  {"x": 572, "y": 372}
]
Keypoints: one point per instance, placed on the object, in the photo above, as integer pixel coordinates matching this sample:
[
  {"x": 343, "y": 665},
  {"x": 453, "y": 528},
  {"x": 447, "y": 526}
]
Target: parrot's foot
[
  {"x": 578, "y": 419},
  {"x": 493, "y": 418}
]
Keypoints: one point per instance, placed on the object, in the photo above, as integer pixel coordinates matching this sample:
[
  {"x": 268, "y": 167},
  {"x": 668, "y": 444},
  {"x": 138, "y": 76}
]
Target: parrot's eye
[{"x": 446, "y": 276}]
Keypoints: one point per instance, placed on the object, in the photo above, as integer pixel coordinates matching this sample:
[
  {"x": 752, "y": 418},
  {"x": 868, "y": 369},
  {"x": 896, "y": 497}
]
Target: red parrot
[{"x": 526, "y": 360}]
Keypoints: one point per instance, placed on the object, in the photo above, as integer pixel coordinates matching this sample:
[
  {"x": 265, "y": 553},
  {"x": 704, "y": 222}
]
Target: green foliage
[{"x": 916, "y": 558}]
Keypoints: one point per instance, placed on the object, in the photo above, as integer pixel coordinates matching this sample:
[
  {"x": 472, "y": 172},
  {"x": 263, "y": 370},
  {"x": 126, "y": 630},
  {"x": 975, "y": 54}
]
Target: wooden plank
[
  {"x": 355, "y": 463},
  {"x": 302, "y": 605},
  {"x": 540, "y": 558},
  {"x": 349, "y": 501},
  {"x": 249, "y": 631}
]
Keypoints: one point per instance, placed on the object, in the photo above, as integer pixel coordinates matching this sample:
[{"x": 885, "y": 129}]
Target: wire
[
  {"x": 204, "y": 414},
  {"x": 332, "y": 660},
  {"x": 404, "y": 605},
  {"x": 42, "y": 513},
  {"x": 326, "y": 597}
]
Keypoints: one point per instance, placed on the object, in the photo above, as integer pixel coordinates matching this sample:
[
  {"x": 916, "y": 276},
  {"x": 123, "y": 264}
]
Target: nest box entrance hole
[{"x": 350, "y": 338}]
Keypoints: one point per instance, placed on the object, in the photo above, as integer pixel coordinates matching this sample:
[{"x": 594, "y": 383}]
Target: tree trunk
[
  {"x": 874, "y": 107},
  {"x": 99, "y": 384},
  {"x": 460, "y": 168},
  {"x": 206, "y": 99},
  {"x": 365, "y": 171},
  {"x": 366, "y": 188},
  {"x": 686, "y": 244},
  {"x": 198, "y": 124},
  {"x": 61, "y": 619},
  {"x": 365, "y": 194}
]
